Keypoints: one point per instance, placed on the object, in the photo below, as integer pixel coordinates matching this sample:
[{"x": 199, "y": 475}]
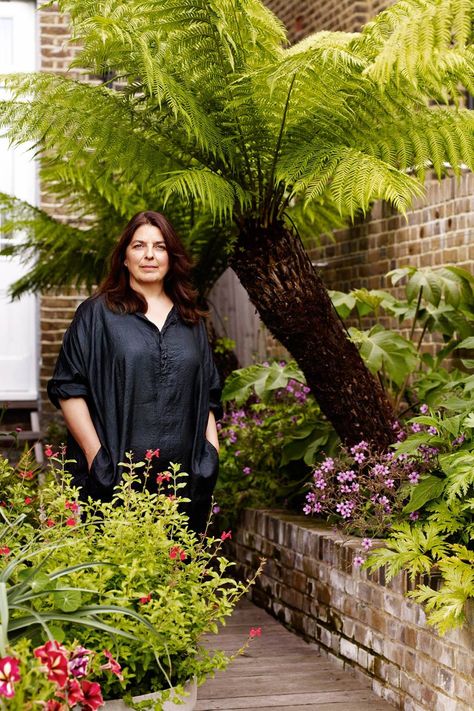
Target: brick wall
[
  {"x": 309, "y": 583},
  {"x": 438, "y": 230},
  {"x": 56, "y": 310},
  {"x": 302, "y": 17}
]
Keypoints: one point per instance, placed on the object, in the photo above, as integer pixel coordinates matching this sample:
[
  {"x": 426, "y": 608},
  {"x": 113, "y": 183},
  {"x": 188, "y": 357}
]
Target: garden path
[{"x": 280, "y": 671}]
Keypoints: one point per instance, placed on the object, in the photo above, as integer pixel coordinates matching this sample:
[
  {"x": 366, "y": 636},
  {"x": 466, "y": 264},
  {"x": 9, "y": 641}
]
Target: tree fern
[{"x": 211, "y": 114}]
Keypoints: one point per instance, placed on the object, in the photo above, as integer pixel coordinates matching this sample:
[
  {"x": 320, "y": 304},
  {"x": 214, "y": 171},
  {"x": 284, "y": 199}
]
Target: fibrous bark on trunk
[{"x": 294, "y": 305}]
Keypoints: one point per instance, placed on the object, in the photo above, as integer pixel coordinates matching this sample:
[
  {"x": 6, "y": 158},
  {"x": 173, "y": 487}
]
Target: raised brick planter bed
[{"x": 310, "y": 584}]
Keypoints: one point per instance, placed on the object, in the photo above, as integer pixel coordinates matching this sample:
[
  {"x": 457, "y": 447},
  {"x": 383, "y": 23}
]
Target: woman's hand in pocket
[{"x": 91, "y": 454}]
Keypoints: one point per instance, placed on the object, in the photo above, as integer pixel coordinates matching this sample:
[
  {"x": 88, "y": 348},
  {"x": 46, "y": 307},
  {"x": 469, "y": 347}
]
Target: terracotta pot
[{"x": 187, "y": 702}]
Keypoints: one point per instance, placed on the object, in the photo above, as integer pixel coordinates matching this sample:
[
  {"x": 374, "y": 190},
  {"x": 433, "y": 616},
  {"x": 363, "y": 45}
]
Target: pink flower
[
  {"x": 177, "y": 552},
  {"x": 358, "y": 560},
  {"x": 92, "y": 695},
  {"x": 424, "y": 408},
  {"x": 414, "y": 516},
  {"x": 216, "y": 509},
  {"x": 5, "y": 550},
  {"x": 367, "y": 543},
  {"x": 54, "y": 657},
  {"x": 247, "y": 470},
  {"x": 413, "y": 477},
  {"x": 112, "y": 665},
  {"x": 9, "y": 673},
  {"x": 225, "y": 536},
  {"x": 255, "y": 632},
  {"x": 143, "y": 601},
  {"x": 70, "y": 521},
  {"x": 28, "y": 500}
]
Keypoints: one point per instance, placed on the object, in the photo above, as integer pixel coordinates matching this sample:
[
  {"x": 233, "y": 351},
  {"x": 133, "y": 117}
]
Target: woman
[{"x": 135, "y": 371}]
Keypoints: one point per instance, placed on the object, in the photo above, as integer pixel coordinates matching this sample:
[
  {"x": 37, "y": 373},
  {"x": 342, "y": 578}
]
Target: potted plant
[{"x": 174, "y": 585}]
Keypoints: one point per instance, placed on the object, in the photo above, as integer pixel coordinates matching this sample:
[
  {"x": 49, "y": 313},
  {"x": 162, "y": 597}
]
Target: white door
[{"x": 18, "y": 319}]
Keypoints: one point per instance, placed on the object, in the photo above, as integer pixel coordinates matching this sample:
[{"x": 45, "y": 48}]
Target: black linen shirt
[{"x": 145, "y": 389}]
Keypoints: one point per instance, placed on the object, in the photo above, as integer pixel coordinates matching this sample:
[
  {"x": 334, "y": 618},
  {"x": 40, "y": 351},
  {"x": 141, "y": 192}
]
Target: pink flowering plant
[
  {"x": 125, "y": 576},
  {"x": 270, "y": 433},
  {"x": 363, "y": 490}
]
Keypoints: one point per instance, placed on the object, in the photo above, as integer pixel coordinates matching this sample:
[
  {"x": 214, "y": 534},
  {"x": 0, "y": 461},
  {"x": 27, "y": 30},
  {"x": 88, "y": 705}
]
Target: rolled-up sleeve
[{"x": 70, "y": 374}]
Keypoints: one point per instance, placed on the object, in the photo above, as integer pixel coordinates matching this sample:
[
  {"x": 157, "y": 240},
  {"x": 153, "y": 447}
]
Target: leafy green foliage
[
  {"x": 439, "y": 540},
  {"x": 126, "y": 574},
  {"x": 446, "y": 606},
  {"x": 386, "y": 352},
  {"x": 205, "y": 110},
  {"x": 271, "y": 434},
  {"x": 437, "y": 300}
]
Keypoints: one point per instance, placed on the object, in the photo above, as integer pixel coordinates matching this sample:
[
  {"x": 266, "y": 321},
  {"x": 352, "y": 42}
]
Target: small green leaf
[
  {"x": 68, "y": 600},
  {"x": 428, "y": 489},
  {"x": 36, "y": 581}
]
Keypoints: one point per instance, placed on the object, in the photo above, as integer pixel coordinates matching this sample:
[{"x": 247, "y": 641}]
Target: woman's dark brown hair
[{"x": 119, "y": 295}]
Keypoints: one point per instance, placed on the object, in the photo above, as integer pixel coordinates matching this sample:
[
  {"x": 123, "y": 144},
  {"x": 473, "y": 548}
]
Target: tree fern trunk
[{"x": 293, "y": 303}]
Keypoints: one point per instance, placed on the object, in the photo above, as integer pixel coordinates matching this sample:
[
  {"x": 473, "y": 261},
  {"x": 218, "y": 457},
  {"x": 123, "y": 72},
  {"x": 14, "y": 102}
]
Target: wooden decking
[{"x": 280, "y": 671}]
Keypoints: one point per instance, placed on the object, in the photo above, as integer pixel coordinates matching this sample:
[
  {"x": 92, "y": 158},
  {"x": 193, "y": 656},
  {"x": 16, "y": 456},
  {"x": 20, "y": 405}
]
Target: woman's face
[{"x": 146, "y": 257}]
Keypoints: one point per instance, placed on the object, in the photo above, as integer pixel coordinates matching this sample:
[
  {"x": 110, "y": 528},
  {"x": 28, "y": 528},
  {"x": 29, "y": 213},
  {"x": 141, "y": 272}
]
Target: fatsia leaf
[
  {"x": 430, "y": 488},
  {"x": 386, "y": 351}
]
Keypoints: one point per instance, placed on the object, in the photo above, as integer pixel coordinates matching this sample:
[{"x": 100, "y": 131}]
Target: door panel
[{"x": 19, "y": 319}]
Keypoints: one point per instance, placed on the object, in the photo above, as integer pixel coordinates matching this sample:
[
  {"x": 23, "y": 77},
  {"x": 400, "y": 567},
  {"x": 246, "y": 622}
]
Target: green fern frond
[
  {"x": 459, "y": 469},
  {"x": 215, "y": 193},
  {"x": 407, "y": 39},
  {"x": 411, "y": 548},
  {"x": 446, "y": 606},
  {"x": 49, "y": 247}
]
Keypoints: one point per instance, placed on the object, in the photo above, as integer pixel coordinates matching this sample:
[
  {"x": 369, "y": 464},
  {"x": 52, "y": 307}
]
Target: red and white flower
[{"x": 9, "y": 673}]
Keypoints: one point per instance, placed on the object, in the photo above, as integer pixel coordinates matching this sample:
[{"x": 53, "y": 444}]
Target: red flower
[
  {"x": 26, "y": 475},
  {"x": 49, "y": 522},
  {"x": 150, "y": 453},
  {"x": 28, "y": 500},
  {"x": 71, "y": 521},
  {"x": 74, "y": 693},
  {"x": 92, "y": 695},
  {"x": 72, "y": 505},
  {"x": 143, "y": 601},
  {"x": 9, "y": 673},
  {"x": 225, "y": 536},
  {"x": 54, "y": 657},
  {"x": 5, "y": 550},
  {"x": 177, "y": 552},
  {"x": 53, "y": 705},
  {"x": 255, "y": 632},
  {"x": 48, "y": 451},
  {"x": 3, "y": 504},
  {"x": 113, "y": 665},
  {"x": 166, "y": 476}
]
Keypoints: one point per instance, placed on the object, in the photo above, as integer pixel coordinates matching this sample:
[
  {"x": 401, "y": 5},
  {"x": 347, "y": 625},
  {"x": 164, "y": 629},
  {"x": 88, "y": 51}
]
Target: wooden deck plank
[
  {"x": 280, "y": 671},
  {"x": 348, "y": 700}
]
